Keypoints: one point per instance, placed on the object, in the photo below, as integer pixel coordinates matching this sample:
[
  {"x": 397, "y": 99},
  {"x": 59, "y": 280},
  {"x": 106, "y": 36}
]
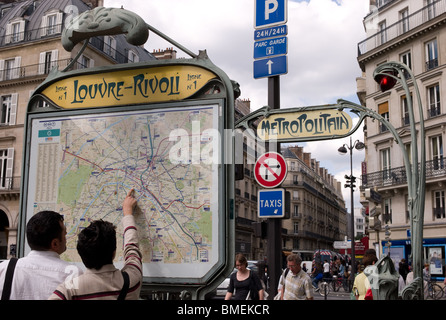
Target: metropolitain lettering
[{"x": 325, "y": 123}]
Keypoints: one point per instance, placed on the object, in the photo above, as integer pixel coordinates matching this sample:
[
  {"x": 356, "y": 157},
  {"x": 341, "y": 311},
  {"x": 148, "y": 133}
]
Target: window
[
  {"x": 10, "y": 68},
  {"x": 51, "y": 23},
  {"x": 383, "y": 110},
  {"x": 405, "y": 110},
  {"x": 382, "y": 33},
  {"x": 437, "y": 152},
  {"x": 110, "y": 46},
  {"x": 296, "y": 227},
  {"x": 6, "y": 167},
  {"x": 296, "y": 211},
  {"x": 15, "y": 31},
  {"x": 431, "y": 54},
  {"x": 404, "y": 18},
  {"x": 439, "y": 205},
  {"x": 406, "y": 58},
  {"x": 385, "y": 163},
  {"x": 8, "y": 109},
  {"x": 133, "y": 56},
  {"x": 430, "y": 9},
  {"x": 434, "y": 101},
  {"x": 387, "y": 214},
  {"x": 47, "y": 61},
  {"x": 86, "y": 63}
]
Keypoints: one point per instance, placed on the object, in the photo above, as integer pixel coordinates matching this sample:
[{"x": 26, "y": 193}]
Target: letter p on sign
[{"x": 270, "y": 13}]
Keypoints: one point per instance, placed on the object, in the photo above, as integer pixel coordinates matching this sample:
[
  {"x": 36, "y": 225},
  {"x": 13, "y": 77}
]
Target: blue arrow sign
[
  {"x": 270, "y": 67},
  {"x": 271, "y": 203},
  {"x": 270, "y": 13},
  {"x": 271, "y": 47}
]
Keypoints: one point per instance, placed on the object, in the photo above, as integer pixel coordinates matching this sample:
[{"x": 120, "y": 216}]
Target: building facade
[
  {"x": 30, "y": 47},
  {"x": 412, "y": 32}
]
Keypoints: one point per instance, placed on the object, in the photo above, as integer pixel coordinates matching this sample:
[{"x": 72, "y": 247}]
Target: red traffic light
[{"x": 386, "y": 80}]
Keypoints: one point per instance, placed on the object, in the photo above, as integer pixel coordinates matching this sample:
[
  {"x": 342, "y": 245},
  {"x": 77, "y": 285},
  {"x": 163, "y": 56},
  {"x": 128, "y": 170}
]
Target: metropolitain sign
[{"x": 305, "y": 124}]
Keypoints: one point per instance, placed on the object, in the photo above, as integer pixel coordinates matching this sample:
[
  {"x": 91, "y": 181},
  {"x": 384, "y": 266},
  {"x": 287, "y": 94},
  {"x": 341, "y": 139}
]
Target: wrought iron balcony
[
  {"x": 402, "y": 26},
  {"x": 397, "y": 176}
]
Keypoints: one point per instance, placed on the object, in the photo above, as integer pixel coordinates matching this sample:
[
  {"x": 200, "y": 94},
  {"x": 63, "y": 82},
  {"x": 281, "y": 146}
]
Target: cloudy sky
[{"x": 322, "y": 51}]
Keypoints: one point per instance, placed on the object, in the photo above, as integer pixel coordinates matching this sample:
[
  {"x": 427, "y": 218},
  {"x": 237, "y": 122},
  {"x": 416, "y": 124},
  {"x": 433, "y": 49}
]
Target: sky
[{"x": 322, "y": 55}]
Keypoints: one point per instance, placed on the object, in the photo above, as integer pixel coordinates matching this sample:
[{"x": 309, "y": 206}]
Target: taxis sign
[
  {"x": 305, "y": 124},
  {"x": 128, "y": 87}
]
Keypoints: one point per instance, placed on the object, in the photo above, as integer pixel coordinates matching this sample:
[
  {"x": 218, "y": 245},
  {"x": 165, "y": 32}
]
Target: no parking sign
[{"x": 270, "y": 170}]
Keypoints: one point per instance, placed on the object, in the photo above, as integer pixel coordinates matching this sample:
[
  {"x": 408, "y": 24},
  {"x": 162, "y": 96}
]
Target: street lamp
[
  {"x": 358, "y": 145},
  {"x": 387, "y": 75}
]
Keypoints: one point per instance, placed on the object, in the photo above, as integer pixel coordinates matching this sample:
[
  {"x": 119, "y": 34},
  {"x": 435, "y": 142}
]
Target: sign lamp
[{"x": 386, "y": 79}]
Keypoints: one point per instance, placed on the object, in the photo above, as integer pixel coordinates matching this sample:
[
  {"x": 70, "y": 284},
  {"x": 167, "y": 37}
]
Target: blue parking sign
[
  {"x": 270, "y": 13},
  {"x": 271, "y": 203}
]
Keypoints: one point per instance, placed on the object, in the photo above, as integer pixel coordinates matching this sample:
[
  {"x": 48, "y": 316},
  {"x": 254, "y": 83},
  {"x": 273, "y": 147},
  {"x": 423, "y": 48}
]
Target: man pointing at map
[{"x": 97, "y": 248}]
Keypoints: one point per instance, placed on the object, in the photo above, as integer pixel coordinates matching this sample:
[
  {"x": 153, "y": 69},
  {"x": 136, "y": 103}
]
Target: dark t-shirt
[{"x": 243, "y": 287}]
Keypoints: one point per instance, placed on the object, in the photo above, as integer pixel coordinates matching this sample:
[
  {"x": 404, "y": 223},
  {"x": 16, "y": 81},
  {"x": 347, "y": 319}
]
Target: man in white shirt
[{"x": 41, "y": 271}]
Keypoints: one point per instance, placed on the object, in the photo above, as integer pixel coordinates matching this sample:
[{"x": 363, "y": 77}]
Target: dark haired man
[
  {"x": 37, "y": 275},
  {"x": 97, "y": 248}
]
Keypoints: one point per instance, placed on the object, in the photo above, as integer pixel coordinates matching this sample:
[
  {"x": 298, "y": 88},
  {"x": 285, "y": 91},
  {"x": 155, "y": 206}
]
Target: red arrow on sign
[{"x": 270, "y": 170}]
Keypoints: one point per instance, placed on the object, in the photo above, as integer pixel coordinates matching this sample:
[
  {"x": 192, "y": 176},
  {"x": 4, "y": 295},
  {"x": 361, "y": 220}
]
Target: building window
[
  {"x": 382, "y": 33},
  {"x": 296, "y": 211},
  {"x": 437, "y": 152},
  {"x": 51, "y": 23},
  {"x": 434, "y": 101},
  {"x": 15, "y": 31},
  {"x": 8, "y": 109},
  {"x": 405, "y": 110},
  {"x": 47, "y": 61},
  {"x": 10, "y": 68},
  {"x": 431, "y": 55},
  {"x": 385, "y": 163},
  {"x": 387, "y": 213},
  {"x": 296, "y": 227},
  {"x": 133, "y": 56},
  {"x": 110, "y": 46},
  {"x": 406, "y": 58},
  {"x": 86, "y": 62},
  {"x": 6, "y": 167},
  {"x": 383, "y": 110},
  {"x": 404, "y": 20},
  {"x": 439, "y": 205}
]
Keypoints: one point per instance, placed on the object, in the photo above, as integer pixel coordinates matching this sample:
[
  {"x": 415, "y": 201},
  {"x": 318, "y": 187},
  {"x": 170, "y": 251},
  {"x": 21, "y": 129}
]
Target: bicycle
[
  {"x": 339, "y": 282},
  {"x": 433, "y": 290}
]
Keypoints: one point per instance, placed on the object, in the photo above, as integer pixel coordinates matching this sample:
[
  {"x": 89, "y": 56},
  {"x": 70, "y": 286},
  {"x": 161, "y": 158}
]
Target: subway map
[{"x": 83, "y": 166}]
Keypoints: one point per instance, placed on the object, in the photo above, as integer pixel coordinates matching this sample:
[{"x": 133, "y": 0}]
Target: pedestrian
[
  {"x": 296, "y": 284},
  {"x": 37, "y": 275},
  {"x": 244, "y": 282},
  {"x": 326, "y": 266},
  {"x": 403, "y": 269},
  {"x": 97, "y": 249},
  {"x": 316, "y": 274},
  {"x": 361, "y": 283}
]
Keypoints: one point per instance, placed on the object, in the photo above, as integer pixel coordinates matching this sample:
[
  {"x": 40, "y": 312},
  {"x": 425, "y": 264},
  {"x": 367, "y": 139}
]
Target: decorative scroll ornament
[
  {"x": 412, "y": 290},
  {"x": 105, "y": 21}
]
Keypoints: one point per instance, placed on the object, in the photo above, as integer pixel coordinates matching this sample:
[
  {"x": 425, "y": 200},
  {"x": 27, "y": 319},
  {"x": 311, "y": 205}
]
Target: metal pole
[
  {"x": 274, "y": 245},
  {"x": 352, "y": 212}
]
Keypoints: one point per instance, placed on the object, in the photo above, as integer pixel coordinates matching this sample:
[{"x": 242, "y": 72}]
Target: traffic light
[
  {"x": 386, "y": 79},
  {"x": 350, "y": 183}
]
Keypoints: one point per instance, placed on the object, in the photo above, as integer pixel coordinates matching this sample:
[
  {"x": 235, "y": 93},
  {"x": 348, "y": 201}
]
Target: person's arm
[
  {"x": 132, "y": 254},
  {"x": 230, "y": 291}
]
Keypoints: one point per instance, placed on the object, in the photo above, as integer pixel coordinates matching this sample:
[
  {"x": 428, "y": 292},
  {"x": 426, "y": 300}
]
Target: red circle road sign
[{"x": 270, "y": 170}]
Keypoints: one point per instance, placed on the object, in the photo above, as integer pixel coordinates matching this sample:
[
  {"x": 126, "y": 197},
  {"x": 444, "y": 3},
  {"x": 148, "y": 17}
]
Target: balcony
[
  {"x": 397, "y": 176},
  {"x": 39, "y": 34},
  {"x": 403, "y": 26},
  {"x": 9, "y": 188}
]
